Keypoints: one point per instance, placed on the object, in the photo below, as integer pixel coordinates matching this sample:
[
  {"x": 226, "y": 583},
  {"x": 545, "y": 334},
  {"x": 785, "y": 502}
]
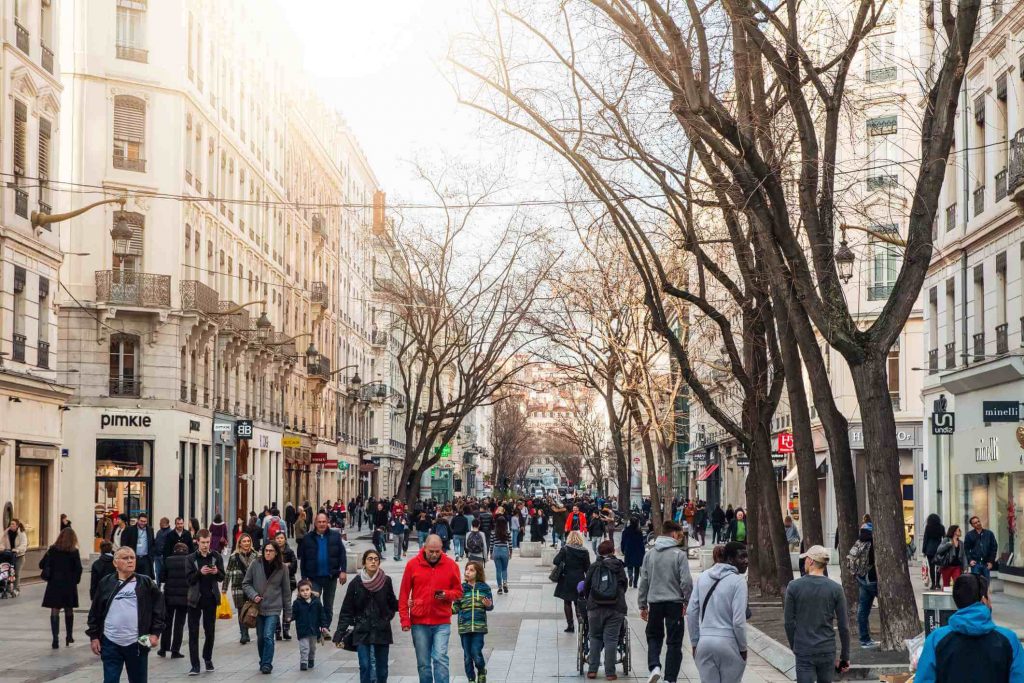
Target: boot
[
  {"x": 287, "y": 635},
  {"x": 69, "y": 626},
  {"x": 55, "y": 630}
]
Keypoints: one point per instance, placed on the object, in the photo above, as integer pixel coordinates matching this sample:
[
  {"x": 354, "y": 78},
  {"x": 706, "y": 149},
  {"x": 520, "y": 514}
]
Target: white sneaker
[{"x": 655, "y": 675}]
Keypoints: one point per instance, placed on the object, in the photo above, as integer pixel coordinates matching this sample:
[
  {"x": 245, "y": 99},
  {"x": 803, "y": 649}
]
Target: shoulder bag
[{"x": 556, "y": 572}]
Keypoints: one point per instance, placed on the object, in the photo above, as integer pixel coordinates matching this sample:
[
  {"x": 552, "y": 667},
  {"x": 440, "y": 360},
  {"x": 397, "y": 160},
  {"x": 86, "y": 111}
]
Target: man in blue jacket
[
  {"x": 322, "y": 558},
  {"x": 980, "y": 546},
  {"x": 972, "y": 648}
]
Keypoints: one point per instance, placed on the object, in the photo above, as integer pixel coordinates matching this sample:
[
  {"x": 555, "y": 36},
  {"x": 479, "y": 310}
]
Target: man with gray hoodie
[
  {"x": 717, "y": 617},
  {"x": 664, "y": 589}
]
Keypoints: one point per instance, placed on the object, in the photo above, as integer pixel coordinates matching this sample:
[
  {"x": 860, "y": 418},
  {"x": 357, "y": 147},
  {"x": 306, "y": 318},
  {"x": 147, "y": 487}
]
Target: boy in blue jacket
[
  {"x": 972, "y": 648},
  {"x": 311, "y": 623}
]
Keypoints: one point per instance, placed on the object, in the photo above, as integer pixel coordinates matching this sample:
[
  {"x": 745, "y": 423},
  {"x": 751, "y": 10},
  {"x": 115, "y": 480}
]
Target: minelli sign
[
  {"x": 1000, "y": 411},
  {"x": 125, "y": 420}
]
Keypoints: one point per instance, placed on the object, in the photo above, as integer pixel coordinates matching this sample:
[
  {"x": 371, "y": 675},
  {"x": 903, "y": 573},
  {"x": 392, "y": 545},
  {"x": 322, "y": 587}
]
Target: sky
[{"x": 379, "y": 63}]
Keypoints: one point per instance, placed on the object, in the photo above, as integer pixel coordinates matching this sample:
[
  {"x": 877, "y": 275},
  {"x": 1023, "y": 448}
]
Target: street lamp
[
  {"x": 844, "y": 261},
  {"x": 40, "y": 220},
  {"x": 263, "y": 327}
]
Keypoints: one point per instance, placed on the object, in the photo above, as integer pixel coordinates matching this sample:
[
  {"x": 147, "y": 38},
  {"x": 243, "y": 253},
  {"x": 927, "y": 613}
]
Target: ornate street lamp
[
  {"x": 264, "y": 328},
  {"x": 844, "y": 261}
]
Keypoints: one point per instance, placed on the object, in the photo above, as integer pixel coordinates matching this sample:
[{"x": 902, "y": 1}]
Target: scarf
[{"x": 372, "y": 584}]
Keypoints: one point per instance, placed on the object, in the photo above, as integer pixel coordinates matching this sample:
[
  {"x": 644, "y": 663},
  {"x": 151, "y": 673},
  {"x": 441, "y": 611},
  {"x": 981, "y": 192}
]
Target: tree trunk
[
  {"x": 777, "y": 560},
  {"x": 652, "y": 473},
  {"x": 896, "y": 603},
  {"x": 756, "y": 569},
  {"x": 621, "y": 471},
  {"x": 803, "y": 438}
]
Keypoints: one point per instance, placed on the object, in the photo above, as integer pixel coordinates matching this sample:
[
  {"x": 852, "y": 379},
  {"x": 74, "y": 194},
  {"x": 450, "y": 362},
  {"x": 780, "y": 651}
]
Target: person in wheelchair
[{"x": 604, "y": 589}]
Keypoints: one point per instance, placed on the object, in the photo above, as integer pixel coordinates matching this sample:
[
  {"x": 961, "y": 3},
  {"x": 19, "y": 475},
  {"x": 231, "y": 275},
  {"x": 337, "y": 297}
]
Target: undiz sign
[{"x": 123, "y": 420}]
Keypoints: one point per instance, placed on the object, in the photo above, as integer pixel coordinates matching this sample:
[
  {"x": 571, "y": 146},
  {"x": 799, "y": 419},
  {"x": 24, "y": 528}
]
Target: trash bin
[{"x": 938, "y": 608}]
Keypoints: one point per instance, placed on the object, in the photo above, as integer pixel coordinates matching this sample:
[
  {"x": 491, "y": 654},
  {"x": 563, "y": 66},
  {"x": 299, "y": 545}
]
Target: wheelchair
[{"x": 623, "y": 651}]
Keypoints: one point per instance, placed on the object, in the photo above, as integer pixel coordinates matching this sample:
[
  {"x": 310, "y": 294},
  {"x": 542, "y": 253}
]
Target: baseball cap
[{"x": 817, "y": 553}]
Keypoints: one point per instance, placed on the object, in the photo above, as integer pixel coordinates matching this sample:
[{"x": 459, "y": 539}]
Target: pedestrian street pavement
[{"x": 525, "y": 642}]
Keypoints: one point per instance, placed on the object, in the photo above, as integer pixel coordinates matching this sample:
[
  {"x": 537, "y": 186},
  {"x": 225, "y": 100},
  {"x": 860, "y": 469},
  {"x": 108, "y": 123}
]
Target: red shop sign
[
  {"x": 785, "y": 443},
  {"x": 318, "y": 458}
]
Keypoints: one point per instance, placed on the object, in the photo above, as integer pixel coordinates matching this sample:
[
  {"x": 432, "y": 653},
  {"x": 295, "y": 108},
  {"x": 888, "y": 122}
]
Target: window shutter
[
  {"x": 44, "y": 150},
  {"x": 44, "y": 288},
  {"x": 129, "y": 118},
  {"x": 137, "y": 222},
  {"x": 20, "y": 132}
]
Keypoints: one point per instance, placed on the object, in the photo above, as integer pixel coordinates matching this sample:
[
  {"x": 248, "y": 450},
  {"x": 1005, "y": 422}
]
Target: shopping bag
[{"x": 224, "y": 608}]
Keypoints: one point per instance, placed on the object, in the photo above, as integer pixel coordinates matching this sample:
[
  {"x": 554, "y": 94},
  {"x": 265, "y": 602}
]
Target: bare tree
[
  {"x": 510, "y": 435},
  {"x": 586, "y": 433}
]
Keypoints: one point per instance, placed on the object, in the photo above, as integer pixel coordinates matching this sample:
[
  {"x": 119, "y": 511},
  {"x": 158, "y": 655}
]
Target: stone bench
[
  {"x": 530, "y": 549},
  {"x": 547, "y": 556}
]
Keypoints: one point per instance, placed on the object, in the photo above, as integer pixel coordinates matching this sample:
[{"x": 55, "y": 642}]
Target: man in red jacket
[
  {"x": 430, "y": 585},
  {"x": 576, "y": 521}
]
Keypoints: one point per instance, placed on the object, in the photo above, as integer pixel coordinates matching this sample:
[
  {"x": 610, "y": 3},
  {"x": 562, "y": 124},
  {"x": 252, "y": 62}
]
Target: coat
[
  {"x": 176, "y": 571},
  {"x": 619, "y": 571},
  {"x": 421, "y": 580},
  {"x": 575, "y": 563},
  {"x": 336, "y": 559},
  {"x": 309, "y": 617},
  {"x": 471, "y": 609},
  {"x": 218, "y": 536},
  {"x": 62, "y": 571},
  {"x": 633, "y": 550},
  {"x": 130, "y": 539},
  {"x": 369, "y": 613},
  {"x": 538, "y": 528},
  {"x": 150, "y": 606},
  {"x": 194, "y": 577},
  {"x": 173, "y": 539},
  {"x": 576, "y": 518},
  {"x": 238, "y": 565},
  {"x": 20, "y": 543},
  {"x": 948, "y": 556},
  {"x": 100, "y": 568},
  {"x": 274, "y": 590}
]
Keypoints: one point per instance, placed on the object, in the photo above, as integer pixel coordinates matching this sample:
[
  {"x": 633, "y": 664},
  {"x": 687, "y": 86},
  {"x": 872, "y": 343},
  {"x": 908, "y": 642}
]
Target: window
[
  {"x": 879, "y": 55},
  {"x": 882, "y": 152},
  {"x": 131, "y": 36},
  {"x": 18, "y": 350},
  {"x": 129, "y": 133},
  {"x": 128, "y": 257},
  {"x": 44, "y": 167},
  {"x": 43, "y": 349},
  {"x": 893, "y": 374},
  {"x": 886, "y": 261},
  {"x": 124, "y": 380},
  {"x": 20, "y": 19},
  {"x": 20, "y": 134}
]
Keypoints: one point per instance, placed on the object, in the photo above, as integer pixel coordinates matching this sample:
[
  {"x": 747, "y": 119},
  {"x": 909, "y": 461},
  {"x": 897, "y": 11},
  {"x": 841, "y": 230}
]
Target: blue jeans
[
  {"x": 132, "y": 658},
  {"x": 981, "y": 570},
  {"x": 325, "y": 587},
  {"x": 868, "y": 591},
  {"x": 265, "y": 628},
  {"x": 431, "y": 643},
  {"x": 458, "y": 542},
  {"x": 500, "y": 556},
  {"x": 422, "y": 537},
  {"x": 473, "y": 654},
  {"x": 158, "y": 568},
  {"x": 515, "y": 538},
  {"x": 557, "y": 538},
  {"x": 373, "y": 663}
]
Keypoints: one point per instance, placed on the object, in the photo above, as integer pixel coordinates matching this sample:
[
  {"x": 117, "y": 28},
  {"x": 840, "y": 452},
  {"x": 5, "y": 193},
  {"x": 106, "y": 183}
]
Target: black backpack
[
  {"x": 604, "y": 587},
  {"x": 475, "y": 544}
]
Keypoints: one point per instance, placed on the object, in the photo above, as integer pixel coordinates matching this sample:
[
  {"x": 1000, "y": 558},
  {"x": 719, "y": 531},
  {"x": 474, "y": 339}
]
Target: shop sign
[
  {"x": 330, "y": 464},
  {"x": 943, "y": 423},
  {"x": 343, "y": 466},
  {"x": 264, "y": 441},
  {"x": 221, "y": 426},
  {"x": 291, "y": 441},
  {"x": 987, "y": 450},
  {"x": 785, "y": 443},
  {"x": 243, "y": 430},
  {"x": 194, "y": 425},
  {"x": 1000, "y": 411},
  {"x": 318, "y": 458},
  {"x": 125, "y": 420},
  {"x": 905, "y": 438}
]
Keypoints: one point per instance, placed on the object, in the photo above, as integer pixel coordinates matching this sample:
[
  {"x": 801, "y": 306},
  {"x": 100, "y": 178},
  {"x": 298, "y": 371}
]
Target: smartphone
[{"x": 439, "y": 595}]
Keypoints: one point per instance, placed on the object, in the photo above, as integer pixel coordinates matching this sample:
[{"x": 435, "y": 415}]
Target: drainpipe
[{"x": 963, "y": 252}]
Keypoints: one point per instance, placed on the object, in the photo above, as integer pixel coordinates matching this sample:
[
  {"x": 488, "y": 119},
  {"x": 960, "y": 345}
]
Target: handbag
[
  {"x": 224, "y": 608},
  {"x": 250, "y": 611},
  {"x": 556, "y": 572},
  {"x": 348, "y": 641}
]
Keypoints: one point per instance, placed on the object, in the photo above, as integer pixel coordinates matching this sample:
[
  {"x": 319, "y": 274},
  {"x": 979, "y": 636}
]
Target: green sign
[
  {"x": 343, "y": 466},
  {"x": 444, "y": 451}
]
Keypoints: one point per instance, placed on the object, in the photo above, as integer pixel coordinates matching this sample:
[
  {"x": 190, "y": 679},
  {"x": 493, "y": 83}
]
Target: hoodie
[
  {"x": 952, "y": 653},
  {"x": 726, "y": 613},
  {"x": 665, "y": 574}
]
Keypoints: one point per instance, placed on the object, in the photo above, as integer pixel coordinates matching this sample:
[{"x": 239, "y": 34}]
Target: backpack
[
  {"x": 604, "y": 588},
  {"x": 475, "y": 544},
  {"x": 442, "y": 531},
  {"x": 858, "y": 560},
  {"x": 274, "y": 527}
]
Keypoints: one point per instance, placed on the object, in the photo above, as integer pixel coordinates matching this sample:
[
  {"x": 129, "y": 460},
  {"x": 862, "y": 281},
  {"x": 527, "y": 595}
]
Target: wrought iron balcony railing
[
  {"x": 950, "y": 355},
  {"x": 379, "y": 338},
  {"x": 886, "y": 73},
  {"x": 979, "y": 200},
  {"x": 43, "y": 354},
  {"x": 933, "y": 361},
  {"x": 196, "y": 296},
  {"x": 879, "y": 292},
  {"x": 320, "y": 369},
  {"x": 979, "y": 347},
  {"x": 22, "y": 39},
  {"x": 238, "y": 322},
  {"x": 1000, "y": 184},
  {"x": 950, "y": 217},
  {"x": 1002, "y": 339},
  {"x": 18, "y": 352},
  {"x": 122, "y": 162},
  {"x": 21, "y": 202},
  {"x": 318, "y": 293},
  {"x": 1016, "y": 165},
  {"x": 134, "y": 54},
  {"x": 125, "y": 386},
  {"x": 131, "y": 288},
  {"x": 47, "y": 59}
]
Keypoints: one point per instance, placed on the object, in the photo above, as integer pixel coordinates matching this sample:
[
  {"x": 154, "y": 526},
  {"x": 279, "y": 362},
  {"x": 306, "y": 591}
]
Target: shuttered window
[
  {"x": 20, "y": 133},
  {"x": 44, "y": 150},
  {"x": 129, "y": 132},
  {"x": 136, "y": 221}
]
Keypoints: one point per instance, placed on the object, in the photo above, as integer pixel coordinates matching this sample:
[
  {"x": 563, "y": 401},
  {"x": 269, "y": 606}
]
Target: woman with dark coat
[
  {"x": 633, "y": 550},
  {"x": 218, "y": 535},
  {"x": 575, "y": 561},
  {"x": 62, "y": 571},
  {"x": 370, "y": 606},
  {"x": 934, "y": 532},
  {"x": 175, "y": 600},
  {"x": 538, "y": 527}
]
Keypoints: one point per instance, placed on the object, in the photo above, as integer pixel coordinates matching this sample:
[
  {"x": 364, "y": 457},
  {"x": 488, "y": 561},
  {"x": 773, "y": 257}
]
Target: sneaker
[
  {"x": 264, "y": 669},
  {"x": 868, "y": 645},
  {"x": 481, "y": 677},
  {"x": 209, "y": 665},
  {"x": 161, "y": 653},
  {"x": 655, "y": 675},
  {"x": 177, "y": 655},
  {"x": 302, "y": 666},
  {"x": 194, "y": 671},
  {"x": 311, "y": 662}
]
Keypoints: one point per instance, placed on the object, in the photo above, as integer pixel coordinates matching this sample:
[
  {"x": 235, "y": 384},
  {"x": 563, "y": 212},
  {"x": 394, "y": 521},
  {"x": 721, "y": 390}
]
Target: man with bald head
[{"x": 430, "y": 585}]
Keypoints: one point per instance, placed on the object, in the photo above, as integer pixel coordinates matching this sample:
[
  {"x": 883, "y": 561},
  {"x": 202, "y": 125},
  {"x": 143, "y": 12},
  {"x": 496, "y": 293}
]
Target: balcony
[
  {"x": 133, "y": 54},
  {"x": 44, "y": 207},
  {"x": 318, "y": 294},
  {"x": 1015, "y": 175},
  {"x": 320, "y": 370},
  {"x": 879, "y": 292},
  {"x": 380, "y": 339},
  {"x": 47, "y": 59},
  {"x": 951, "y": 355},
  {"x": 317, "y": 222},
  {"x": 881, "y": 182},
  {"x": 196, "y": 296},
  {"x": 933, "y": 361},
  {"x": 18, "y": 353},
  {"x": 237, "y": 322},
  {"x": 125, "y": 386},
  {"x": 188, "y": 177},
  {"x": 886, "y": 73},
  {"x": 1002, "y": 339},
  {"x": 43, "y": 354},
  {"x": 21, "y": 202},
  {"x": 194, "y": 394},
  {"x": 1000, "y": 185},
  {"x": 131, "y": 288},
  {"x": 979, "y": 347},
  {"x": 979, "y": 200},
  {"x": 22, "y": 37},
  {"x": 122, "y": 162},
  {"x": 950, "y": 217},
  {"x": 206, "y": 398},
  {"x": 184, "y": 391}
]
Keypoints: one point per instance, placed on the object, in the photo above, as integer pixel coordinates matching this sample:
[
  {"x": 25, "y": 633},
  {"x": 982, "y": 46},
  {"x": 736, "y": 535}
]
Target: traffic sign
[{"x": 943, "y": 423}]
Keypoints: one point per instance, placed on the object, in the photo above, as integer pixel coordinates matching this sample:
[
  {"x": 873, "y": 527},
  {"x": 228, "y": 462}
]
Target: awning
[
  {"x": 708, "y": 471},
  {"x": 792, "y": 475},
  {"x": 367, "y": 467}
]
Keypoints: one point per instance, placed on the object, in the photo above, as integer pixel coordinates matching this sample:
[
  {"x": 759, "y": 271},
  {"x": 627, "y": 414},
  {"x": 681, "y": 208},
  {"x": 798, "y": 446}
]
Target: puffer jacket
[
  {"x": 471, "y": 609},
  {"x": 952, "y": 653},
  {"x": 176, "y": 571}
]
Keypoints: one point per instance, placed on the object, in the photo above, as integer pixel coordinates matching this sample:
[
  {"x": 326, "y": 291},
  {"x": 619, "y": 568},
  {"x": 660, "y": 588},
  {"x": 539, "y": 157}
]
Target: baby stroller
[
  {"x": 6, "y": 574},
  {"x": 583, "y": 641}
]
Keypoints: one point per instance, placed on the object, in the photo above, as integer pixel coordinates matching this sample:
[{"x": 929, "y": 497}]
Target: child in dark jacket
[
  {"x": 311, "y": 622},
  {"x": 378, "y": 540},
  {"x": 472, "y": 608}
]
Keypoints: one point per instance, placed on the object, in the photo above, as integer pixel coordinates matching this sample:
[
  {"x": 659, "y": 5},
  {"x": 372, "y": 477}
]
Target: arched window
[{"x": 124, "y": 365}]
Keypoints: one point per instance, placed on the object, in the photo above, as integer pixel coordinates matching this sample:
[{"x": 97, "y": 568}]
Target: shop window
[{"x": 123, "y": 483}]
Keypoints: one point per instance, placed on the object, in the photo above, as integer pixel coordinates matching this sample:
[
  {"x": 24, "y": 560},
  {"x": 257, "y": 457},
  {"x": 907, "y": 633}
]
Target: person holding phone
[
  {"x": 430, "y": 584},
  {"x": 205, "y": 572}
]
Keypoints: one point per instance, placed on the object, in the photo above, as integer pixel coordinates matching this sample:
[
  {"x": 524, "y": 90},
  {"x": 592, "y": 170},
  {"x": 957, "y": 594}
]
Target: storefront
[
  {"x": 264, "y": 473},
  {"x": 36, "y": 468},
  {"x": 225, "y": 473},
  {"x": 296, "y": 450},
  {"x": 910, "y": 444}
]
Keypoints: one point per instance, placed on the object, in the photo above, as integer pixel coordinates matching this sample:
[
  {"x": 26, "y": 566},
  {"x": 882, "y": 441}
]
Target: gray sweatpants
[
  {"x": 307, "y": 649},
  {"x": 604, "y": 624},
  {"x": 718, "y": 660},
  {"x": 815, "y": 668}
]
